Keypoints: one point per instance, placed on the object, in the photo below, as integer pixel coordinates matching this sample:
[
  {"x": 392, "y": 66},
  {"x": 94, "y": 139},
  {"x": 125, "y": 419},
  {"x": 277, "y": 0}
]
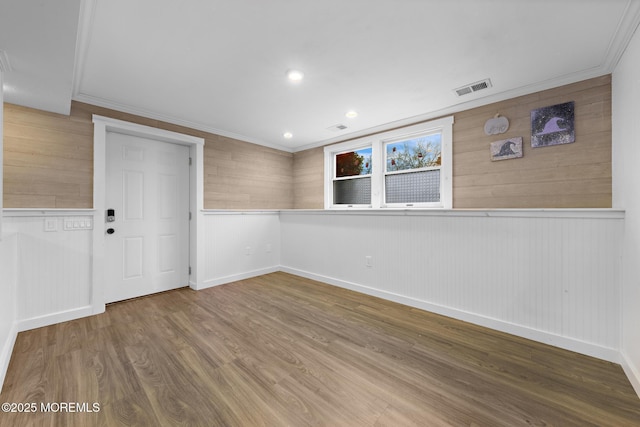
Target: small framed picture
[
  {"x": 553, "y": 125},
  {"x": 506, "y": 149}
]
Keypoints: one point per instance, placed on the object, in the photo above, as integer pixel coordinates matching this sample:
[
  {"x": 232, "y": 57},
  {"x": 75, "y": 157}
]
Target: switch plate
[
  {"x": 77, "y": 223},
  {"x": 50, "y": 224}
]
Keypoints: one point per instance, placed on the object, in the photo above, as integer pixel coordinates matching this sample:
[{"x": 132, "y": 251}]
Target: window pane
[
  {"x": 355, "y": 191},
  {"x": 413, "y": 187},
  {"x": 354, "y": 163},
  {"x": 414, "y": 153}
]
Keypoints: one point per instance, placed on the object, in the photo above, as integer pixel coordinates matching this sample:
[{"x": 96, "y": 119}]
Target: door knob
[{"x": 110, "y": 231}]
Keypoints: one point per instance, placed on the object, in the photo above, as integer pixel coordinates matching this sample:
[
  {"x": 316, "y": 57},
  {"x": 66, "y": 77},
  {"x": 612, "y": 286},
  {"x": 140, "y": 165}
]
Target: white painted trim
[
  {"x": 478, "y": 102},
  {"x": 125, "y": 108},
  {"x": 631, "y": 371},
  {"x": 243, "y": 212},
  {"x": 376, "y": 142},
  {"x": 53, "y": 318},
  {"x": 609, "y": 354},
  {"x": 85, "y": 22},
  {"x": 29, "y": 212},
  {"x": 128, "y": 128},
  {"x": 467, "y": 105},
  {"x": 503, "y": 213},
  {"x": 235, "y": 277},
  {"x": 5, "y": 354},
  {"x": 102, "y": 125}
]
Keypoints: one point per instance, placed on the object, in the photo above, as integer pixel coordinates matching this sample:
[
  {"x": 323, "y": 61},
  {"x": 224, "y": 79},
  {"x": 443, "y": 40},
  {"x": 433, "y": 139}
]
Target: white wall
[
  {"x": 239, "y": 245},
  {"x": 552, "y": 276},
  {"x": 53, "y": 267},
  {"x": 549, "y": 276},
  {"x": 626, "y": 183},
  {"x": 8, "y": 311}
]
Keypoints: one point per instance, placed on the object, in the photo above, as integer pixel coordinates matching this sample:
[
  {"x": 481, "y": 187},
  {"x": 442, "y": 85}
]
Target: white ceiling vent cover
[
  {"x": 474, "y": 87},
  {"x": 337, "y": 128}
]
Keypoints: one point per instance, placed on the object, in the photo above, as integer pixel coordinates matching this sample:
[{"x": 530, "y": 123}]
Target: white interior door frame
[{"x": 102, "y": 125}]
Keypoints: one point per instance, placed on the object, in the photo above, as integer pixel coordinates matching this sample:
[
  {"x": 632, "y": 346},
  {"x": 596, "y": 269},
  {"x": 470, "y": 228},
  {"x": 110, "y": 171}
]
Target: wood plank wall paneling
[
  {"x": 308, "y": 179},
  {"x": 576, "y": 175},
  {"x": 49, "y": 162},
  {"x": 241, "y": 175}
]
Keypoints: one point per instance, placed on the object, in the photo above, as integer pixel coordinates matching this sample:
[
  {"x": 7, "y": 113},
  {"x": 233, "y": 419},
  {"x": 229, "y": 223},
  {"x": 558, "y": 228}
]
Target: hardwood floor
[{"x": 280, "y": 350}]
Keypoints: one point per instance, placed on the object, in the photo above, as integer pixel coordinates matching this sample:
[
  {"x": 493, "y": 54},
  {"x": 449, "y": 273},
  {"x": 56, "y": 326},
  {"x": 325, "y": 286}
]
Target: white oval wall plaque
[{"x": 496, "y": 125}]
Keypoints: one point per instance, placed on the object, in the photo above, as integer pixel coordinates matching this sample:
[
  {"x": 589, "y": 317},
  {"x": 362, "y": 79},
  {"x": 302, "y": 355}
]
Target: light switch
[{"x": 50, "y": 224}]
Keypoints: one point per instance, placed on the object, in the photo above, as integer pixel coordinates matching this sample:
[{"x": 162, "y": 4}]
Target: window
[
  {"x": 352, "y": 181},
  {"x": 403, "y": 168},
  {"x": 412, "y": 170}
]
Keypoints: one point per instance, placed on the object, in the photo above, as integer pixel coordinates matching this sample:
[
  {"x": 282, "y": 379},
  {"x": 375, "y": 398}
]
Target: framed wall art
[
  {"x": 553, "y": 125},
  {"x": 506, "y": 149}
]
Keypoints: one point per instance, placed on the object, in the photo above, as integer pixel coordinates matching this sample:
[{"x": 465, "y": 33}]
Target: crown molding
[{"x": 100, "y": 102}]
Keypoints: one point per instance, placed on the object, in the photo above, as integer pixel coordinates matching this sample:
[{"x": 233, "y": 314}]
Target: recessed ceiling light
[
  {"x": 287, "y": 135},
  {"x": 351, "y": 114},
  {"x": 295, "y": 75}
]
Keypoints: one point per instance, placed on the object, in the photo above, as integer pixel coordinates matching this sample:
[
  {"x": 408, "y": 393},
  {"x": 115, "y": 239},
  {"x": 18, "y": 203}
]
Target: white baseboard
[
  {"x": 5, "y": 354},
  {"x": 232, "y": 278},
  {"x": 604, "y": 353},
  {"x": 50, "y": 319},
  {"x": 632, "y": 372}
]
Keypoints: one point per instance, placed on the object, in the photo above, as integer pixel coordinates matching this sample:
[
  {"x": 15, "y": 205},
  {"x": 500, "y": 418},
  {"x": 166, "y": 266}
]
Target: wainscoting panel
[
  {"x": 8, "y": 315},
  {"x": 549, "y": 276},
  {"x": 53, "y": 267},
  {"x": 240, "y": 245}
]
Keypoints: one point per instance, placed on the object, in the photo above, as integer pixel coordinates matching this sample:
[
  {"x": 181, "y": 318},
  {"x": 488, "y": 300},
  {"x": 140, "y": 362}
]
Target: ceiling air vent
[
  {"x": 473, "y": 87},
  {"x": 337, "y": 128}
]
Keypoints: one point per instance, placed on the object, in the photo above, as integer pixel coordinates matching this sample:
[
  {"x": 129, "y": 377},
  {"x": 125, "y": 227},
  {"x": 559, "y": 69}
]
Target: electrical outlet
[{"x": 368, "y": 261}]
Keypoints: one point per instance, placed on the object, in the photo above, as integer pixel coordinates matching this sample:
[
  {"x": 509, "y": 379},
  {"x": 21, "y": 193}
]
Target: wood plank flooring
[{"x": 280, "y": 350}]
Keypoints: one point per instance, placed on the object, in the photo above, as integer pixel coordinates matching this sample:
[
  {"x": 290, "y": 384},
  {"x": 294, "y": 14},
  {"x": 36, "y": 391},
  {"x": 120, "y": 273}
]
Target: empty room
[{"x": 327, "y": 213}]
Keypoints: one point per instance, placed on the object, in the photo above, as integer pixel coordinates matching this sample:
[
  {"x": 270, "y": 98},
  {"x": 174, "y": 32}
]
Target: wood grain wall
[
  {"x": 48, "y": 159},
  {"x": 308, "y": 179},
  {"x": 49, "y": 162},
  {"x": 576, "y": 175}
]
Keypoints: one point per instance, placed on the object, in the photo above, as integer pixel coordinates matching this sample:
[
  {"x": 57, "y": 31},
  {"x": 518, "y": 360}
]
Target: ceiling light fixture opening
[
  {"x": 287, "y": 135},
  {"x": 351, "y": 114},
  {"x": 295, "y": 75}
]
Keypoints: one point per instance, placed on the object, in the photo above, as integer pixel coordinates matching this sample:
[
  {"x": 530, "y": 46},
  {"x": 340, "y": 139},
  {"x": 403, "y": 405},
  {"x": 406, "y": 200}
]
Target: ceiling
[{"x": 220, "y": 66}]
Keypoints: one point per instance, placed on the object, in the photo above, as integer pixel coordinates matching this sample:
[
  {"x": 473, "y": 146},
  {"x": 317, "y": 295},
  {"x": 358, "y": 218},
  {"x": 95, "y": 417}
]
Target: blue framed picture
[{"x": 553, "y": 125}]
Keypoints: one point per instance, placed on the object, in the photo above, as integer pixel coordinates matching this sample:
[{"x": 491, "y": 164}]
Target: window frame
[
  {"x": 386, "y": 173},
  {"x": 378, "y": 165},
  {"x": 331, "y": 173}
]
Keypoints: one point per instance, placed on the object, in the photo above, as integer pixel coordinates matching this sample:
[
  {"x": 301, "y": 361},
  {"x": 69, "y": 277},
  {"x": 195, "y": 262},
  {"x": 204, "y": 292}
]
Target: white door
[{"x": 147, "y": 243}]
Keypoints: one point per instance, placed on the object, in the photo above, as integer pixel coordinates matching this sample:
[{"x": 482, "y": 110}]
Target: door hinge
[
  {"x": 190, "y": 161},
  {"x": 189, "y": 270},
  {"x": 189, "y": 216}
]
